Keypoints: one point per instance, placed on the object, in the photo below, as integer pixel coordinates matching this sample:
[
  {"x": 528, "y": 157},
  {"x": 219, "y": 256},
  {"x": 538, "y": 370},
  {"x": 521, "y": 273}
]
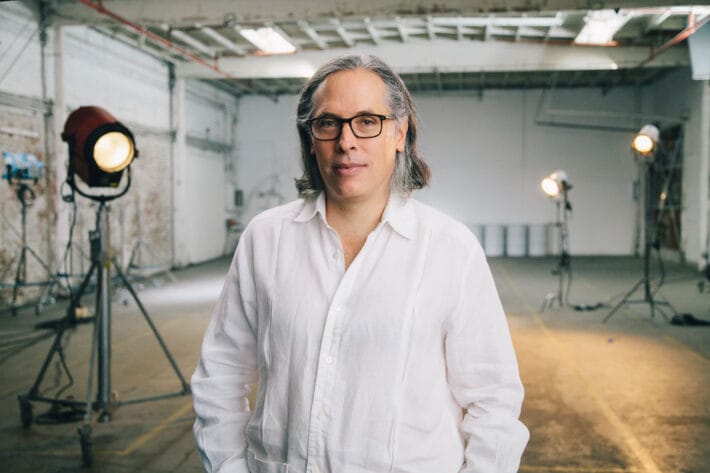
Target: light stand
[
  {"x": 26, "y": 196},
  {"x": 101, "y": 262},
  {"x": 557, "y": 186},
  {"x": 651, "y": 242}
]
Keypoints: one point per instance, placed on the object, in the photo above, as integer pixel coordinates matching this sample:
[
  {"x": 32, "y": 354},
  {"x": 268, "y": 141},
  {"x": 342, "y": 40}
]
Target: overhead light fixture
[
  {"x": 100, "y": 148},
  {"x": 645, "y": 141},
  {"x": 268, "y": 39},
  {"x": 600, "y": 26},
  {"x": 556, "y": 184}
]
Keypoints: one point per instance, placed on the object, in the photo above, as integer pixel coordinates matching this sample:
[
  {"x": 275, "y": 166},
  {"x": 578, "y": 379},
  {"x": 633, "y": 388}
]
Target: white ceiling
[{"x": 445, "y": 45}]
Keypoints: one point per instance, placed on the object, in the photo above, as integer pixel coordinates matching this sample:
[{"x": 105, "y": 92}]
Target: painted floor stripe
[
  {"x": 574, "y": 469},
  {"x": 143, "y": 439}
]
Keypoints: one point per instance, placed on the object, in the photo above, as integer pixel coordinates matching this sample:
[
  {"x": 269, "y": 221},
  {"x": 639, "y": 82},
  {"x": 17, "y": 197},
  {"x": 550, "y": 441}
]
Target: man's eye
[
  {"x": 326, "y": 123},
  {"x": 368, "y": 121}
]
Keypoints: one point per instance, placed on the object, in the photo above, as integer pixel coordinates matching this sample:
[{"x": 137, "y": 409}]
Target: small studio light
[
  {"x": 645, "y": 140},
  {"x": 100, "y": 147},
  {"x": 555, "y": 184}
]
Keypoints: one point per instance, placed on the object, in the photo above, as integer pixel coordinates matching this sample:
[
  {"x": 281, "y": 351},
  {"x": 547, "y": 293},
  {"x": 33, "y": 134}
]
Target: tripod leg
[
  {"x": 185, "y": 385},
  {"x": 56, "y": 347},
  {"x": 623, "y": 300},
  {"x": 20, "y": 278},
  {"x": 87, "y": 447}
]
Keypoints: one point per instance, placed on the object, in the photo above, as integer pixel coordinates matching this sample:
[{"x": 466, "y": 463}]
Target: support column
[
  {"x": 704, "y": 175},
  {"x": 180, "y": 249},
  {"x": 57, "y": 167}
]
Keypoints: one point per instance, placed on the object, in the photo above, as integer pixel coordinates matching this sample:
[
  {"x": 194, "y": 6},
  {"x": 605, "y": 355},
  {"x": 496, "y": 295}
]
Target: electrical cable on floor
[{"x": 17, "y": 345}]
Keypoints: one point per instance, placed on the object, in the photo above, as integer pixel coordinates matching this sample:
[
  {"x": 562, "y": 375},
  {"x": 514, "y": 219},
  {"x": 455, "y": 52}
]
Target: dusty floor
[{"x": 629, "y": 395}]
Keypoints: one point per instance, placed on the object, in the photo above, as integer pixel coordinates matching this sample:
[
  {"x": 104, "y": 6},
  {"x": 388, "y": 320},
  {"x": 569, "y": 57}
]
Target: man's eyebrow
[{"x": 333, "y": 115}]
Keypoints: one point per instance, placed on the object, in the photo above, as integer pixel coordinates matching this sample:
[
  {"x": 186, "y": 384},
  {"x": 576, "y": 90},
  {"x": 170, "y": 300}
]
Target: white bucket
[
  {"x": 493, "y": 240},
  {"x": 515, "y": 240},
  {"x": 537, "y": 239}
]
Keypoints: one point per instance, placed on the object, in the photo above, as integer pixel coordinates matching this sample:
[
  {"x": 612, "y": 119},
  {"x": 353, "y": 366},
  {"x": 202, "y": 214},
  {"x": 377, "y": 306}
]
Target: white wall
[
  {"x": 19, "y": 51},
  {"x": 210, "y": 118},
  {"x": 268, "y": 154},
  {"x": 487, "y": 158}
]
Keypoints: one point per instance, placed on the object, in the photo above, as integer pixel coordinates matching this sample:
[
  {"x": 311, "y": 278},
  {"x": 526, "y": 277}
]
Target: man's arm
[
  {"x": 483, "y": 374},
  {"x": 228, "y": 365}
]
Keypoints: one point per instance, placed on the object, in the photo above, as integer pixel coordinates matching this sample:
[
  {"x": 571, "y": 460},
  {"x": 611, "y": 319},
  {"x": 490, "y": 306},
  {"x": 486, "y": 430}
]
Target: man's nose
[{"x": 347, "y": 139}]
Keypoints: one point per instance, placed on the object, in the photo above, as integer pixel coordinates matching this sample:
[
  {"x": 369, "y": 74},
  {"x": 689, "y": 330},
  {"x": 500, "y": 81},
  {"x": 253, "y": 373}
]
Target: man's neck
[
  {"x": 355, "y": 218},
  {"x": 353, "y": 222}
]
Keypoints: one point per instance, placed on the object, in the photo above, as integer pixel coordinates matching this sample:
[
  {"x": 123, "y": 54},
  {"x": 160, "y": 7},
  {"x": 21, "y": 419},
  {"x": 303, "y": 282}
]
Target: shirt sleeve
[
  {"x": 483, "y": 374},
  {"x": 227, "y": 366}
]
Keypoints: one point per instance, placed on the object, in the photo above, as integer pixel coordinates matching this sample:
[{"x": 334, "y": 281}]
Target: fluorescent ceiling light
[
  {"x": 268, "y": 40},
  {"x": 600, "y": 26}
]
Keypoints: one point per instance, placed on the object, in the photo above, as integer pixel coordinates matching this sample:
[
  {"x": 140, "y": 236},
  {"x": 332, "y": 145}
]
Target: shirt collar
[
  {"x": 311, "y": 207},
  {"x": 399, "y": 213}
]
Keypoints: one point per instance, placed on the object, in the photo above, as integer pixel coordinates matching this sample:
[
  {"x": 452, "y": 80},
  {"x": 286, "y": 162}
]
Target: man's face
[{"x": 356, "y": 169}]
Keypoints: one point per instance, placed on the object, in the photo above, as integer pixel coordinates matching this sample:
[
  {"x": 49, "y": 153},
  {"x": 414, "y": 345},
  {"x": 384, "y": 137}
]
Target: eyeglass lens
[{"x": 362, "y": 126}]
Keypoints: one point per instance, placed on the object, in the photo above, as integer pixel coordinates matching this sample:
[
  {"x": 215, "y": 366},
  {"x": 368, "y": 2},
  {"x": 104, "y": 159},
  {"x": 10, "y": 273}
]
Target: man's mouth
[{"x": 347, "y": 168}]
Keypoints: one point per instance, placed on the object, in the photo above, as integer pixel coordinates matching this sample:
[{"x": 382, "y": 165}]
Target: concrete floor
[{"x": 629, "y": 395}]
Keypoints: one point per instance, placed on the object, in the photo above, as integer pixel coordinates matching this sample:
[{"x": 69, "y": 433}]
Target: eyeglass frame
[{"x": 349, "y": 121}]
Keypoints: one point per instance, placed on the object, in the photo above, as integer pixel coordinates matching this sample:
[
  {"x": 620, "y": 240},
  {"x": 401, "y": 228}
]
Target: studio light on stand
[
  {"x": 645, "y": 147},
  {"x": 22, "y": 172},
  {"x": 101, "y": 150},
  {"x": 556, "y": 186}
]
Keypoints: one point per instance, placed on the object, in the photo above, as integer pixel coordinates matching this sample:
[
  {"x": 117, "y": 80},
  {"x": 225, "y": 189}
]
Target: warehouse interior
[{"x": 604, "y": 284}]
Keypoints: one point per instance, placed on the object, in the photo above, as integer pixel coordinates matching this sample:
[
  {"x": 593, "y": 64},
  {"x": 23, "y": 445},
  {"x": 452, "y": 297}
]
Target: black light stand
[
  {"x": 651, "y": 242},
  {"x": 100, "y": 357},
  {"x": 564, "y": 261},
  {"x": 26, "y": 196}
]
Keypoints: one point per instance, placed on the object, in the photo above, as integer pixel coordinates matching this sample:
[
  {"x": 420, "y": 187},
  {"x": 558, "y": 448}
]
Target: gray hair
[{"x": 410, "y": 171}]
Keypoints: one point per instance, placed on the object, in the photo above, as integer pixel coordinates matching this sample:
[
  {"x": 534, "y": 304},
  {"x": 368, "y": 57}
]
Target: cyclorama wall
[{"x": 488, "y": 155}]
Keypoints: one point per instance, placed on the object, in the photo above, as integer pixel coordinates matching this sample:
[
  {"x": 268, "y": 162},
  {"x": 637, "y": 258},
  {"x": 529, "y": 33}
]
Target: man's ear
[{"x": 401, "y": 134}]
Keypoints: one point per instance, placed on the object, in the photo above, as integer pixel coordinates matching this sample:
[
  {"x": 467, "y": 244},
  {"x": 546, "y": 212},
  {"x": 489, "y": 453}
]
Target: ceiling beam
[
  {"x": 178, "y": 13},
  {"x": 450, "y": 56}
]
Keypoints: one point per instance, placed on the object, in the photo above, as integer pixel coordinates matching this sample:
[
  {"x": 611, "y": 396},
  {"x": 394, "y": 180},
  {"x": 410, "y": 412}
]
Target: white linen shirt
[{"x": 364, "y": 370}]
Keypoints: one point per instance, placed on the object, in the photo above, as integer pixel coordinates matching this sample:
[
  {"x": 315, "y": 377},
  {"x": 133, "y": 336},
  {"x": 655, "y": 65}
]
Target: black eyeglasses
[{"x": 365, "y": 125}]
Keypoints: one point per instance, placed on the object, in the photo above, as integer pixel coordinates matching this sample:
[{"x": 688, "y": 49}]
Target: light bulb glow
[
  {"x": 550, "y": 187},
  {"x": 646, "y": 140},
  {"x": 113, "y": 151},
  {"x": 643, "y": 144}
]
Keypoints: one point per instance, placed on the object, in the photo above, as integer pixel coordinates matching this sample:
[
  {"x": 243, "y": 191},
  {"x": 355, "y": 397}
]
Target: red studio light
[{"x": 100, "y": 147}]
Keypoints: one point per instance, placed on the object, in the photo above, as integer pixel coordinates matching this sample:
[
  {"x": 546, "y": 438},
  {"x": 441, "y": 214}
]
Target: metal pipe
[
  {"x": 692, "y": 27},
  {"x": 169, "y": 44}
]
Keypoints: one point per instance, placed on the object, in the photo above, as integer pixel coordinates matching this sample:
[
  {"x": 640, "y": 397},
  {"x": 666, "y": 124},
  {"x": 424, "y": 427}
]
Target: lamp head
[
  {"x": 646, "y": 139},
  {"x": 100, "y": 147},
  {"x": 555, "y": 184}
]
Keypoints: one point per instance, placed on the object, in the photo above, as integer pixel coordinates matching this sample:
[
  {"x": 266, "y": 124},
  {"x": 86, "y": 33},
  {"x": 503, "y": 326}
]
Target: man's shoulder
[
  {"x": 443, "y": 227},
  {"x": 276, "y": 214},
  {"x": 437, "y": 220}
]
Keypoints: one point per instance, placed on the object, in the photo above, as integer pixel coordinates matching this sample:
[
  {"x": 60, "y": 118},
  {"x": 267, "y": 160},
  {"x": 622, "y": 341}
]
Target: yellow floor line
[
  {"x": 143, "y": 439},
  {"x": 627, "y": 435},
  {"x": 574, "y": 469}
]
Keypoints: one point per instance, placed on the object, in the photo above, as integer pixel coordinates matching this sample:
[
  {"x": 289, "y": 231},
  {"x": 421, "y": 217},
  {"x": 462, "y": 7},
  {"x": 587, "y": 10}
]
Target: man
[{"x": 368, "y": 319}]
